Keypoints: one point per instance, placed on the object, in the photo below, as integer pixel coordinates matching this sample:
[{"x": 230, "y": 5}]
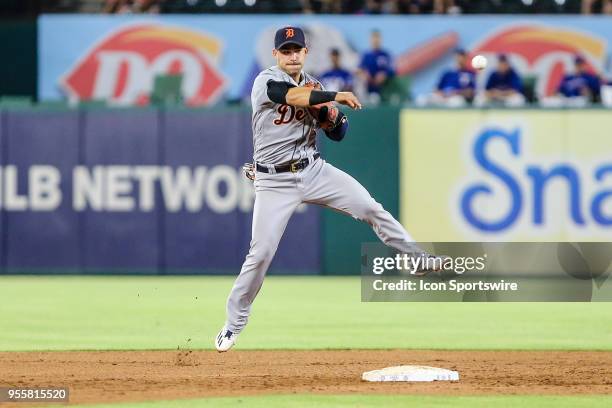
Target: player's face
[
  {"x": 375, "y": 41},
  {"x": 461, "y": 60},
  {"x": 503, "y": 67},
  {"x": 335, "y": 59},
  {"x": 291, "y": 58}
]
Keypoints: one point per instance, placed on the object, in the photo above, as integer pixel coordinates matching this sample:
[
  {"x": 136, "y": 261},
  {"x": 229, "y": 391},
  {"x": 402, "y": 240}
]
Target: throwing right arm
[{"x": 303, "y": 97}]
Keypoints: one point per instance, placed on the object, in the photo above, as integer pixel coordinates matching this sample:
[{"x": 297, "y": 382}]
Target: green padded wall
[
  {"x": 370, "y": 153},
  {"x": 18, "y": 71}
]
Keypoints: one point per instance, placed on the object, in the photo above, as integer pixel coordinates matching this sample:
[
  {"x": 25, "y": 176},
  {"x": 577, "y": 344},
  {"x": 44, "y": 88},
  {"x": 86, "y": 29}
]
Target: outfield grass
[
  {"x": 344, "y": 401},
  {"x": 79, "y": 313}
]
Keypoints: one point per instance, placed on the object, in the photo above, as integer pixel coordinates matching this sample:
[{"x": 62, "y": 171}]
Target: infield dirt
[{"x": 121, "y": 376}]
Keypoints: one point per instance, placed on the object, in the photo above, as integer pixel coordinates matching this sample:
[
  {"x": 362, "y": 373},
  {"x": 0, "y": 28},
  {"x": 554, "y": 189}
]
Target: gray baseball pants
[{"x": 276, "y": 198}]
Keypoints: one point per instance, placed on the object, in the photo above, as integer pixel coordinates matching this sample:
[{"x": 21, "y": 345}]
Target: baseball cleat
[{"x": 225, "y": 340}]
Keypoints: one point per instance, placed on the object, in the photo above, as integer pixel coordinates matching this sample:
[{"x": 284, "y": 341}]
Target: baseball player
[{"x": 288, "y": 170}]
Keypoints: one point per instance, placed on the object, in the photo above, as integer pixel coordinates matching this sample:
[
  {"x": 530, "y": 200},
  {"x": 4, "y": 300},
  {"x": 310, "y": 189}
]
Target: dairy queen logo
[
  {"x": 122, "y": 67},
  {"x": 544, "y": 52}
]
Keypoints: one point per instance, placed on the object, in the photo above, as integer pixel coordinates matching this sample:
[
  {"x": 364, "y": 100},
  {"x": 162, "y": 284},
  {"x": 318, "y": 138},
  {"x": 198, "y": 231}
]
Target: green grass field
[
  {"x": 106, "y": 313},
  {"x": 392, "y": 401},
  {"x": 115, "y": 313}
]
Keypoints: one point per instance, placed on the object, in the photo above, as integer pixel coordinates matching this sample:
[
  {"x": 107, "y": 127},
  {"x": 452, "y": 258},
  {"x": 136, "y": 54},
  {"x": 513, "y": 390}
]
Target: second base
[{"x": 411, "y": 373}]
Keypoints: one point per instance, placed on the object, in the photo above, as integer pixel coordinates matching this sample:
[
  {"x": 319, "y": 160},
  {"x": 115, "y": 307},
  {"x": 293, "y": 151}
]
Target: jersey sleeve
[
  {"x": 390, "y": 67},
  {"x": 320, "y": 84},
  {"x": 595, "y": 84},
  {"x": 442, "y": 81},
  {"x": 563, "y": 88},
  {"x": 472, "y": 83},
  {"x": 364, "y": 63},
  {"x": 491, "y": 82},
  {"x": 516, "y": 82},
  {"x": 259, "y": 93},
  {"x": 348, "y": 78}
]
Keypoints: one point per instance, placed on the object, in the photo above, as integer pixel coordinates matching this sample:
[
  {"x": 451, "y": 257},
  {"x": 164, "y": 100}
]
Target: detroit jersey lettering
[{"x": 281, "y": 133}]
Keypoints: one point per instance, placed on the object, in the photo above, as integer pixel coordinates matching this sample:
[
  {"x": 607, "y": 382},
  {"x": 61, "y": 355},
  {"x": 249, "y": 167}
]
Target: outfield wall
[
  {"x": 506, "y": 175},
  {"x": 370, "y": 153},
  {"x": 476, "y": 175},
  {"x": 18, "y": 47},
  {"x": 136, "y": 191},
  {"x": 149, "y": 191}
]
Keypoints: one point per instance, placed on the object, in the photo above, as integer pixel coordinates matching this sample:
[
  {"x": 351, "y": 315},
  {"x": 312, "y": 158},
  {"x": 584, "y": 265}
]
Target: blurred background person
[
  {"x": 446, "y": 7},
  {"x": 456, "y": 86},
  {"x": 336, "y": 79},
  {"x": 596, "y": 6},
  {"x": 425, "y": 6},
  {"x": 414, "y": 6},
  {"x": 376, "y": 68},
  {"x": 374, "y": 7},
  {"x": 504, "y": 86},
  {"x": 322, "y": 6},
  {"x": 582, "y": 85},
  {"x": 580, "y": 88},
  {"x": 606, "y": 90},
  {"x": 132, "y": 6}
]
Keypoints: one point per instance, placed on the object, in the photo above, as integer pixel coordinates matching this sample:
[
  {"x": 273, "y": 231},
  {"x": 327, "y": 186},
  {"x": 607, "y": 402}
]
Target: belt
[{"x": 292, "y": 167}]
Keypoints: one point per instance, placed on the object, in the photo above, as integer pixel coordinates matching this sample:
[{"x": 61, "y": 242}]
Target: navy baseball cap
[{"x": 289, "y": 35}]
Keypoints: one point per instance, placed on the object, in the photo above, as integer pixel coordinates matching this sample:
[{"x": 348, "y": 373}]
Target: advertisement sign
[
  {"x": 121, "y": 67},
  {"x": 116, "y": 58},
  {"x": 130, "y": 191},
  {"x": 515, "y": 175}
]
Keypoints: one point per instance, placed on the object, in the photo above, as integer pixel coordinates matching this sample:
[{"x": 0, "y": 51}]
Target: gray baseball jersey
[{"x": 281, "y": 133}]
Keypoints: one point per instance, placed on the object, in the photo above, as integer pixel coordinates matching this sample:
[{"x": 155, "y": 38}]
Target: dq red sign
[
  {"x": 545, "y": 52},
  {"x": 122, "y": 67}
]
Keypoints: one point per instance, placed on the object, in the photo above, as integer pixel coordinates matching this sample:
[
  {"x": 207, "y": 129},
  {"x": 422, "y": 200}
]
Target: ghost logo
[
  {"x": 289, "y": 32},
  {"x": 288, "y": 113}
]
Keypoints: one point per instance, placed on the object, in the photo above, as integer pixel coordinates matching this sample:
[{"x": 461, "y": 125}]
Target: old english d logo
[{"x": 289, "y": 33}]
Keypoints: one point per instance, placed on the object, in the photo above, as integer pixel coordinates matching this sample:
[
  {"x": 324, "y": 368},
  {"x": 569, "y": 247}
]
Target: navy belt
[{"x": 292, "y": 167}]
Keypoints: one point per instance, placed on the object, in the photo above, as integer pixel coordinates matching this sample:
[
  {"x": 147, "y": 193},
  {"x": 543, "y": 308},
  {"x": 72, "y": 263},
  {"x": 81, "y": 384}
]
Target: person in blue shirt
[
  {"x": 504, "y": 84},
  {"x": 582, "y": 83},
  {"x": 376, "y": 66},
  {"x": 606, "y": 92},
  {"x": 337, "y": 79},
  {"x": 460, "y": 81}
]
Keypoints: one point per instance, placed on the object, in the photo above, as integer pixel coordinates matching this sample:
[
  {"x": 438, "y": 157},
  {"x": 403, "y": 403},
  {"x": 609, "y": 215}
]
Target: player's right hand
[{"x": 348, "y": 99}]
